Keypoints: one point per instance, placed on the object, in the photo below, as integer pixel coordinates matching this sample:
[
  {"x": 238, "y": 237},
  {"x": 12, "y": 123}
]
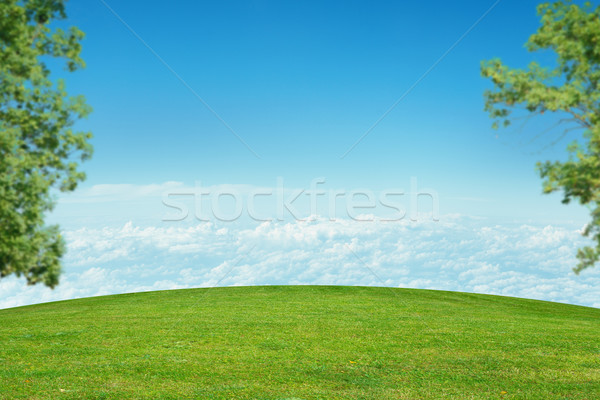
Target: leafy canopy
[
  {"x": 38, "y": 148},
  {"x": 570, "y": 88}
]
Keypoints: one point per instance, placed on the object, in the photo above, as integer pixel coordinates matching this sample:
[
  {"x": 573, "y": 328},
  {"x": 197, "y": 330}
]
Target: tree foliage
[
  {"x": 569, "y": 88},
  {"x": 39, "y": 150}
]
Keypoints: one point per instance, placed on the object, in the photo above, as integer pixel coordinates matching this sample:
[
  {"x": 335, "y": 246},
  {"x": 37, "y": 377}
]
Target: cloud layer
[{"x": 455, "y": 253}]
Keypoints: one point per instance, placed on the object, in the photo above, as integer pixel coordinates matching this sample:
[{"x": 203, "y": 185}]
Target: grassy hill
[{"x": 300, "y": 342}]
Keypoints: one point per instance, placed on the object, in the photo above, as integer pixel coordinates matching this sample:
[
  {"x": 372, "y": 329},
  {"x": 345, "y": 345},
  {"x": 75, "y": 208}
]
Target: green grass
[{"x": 300, "y": 342}]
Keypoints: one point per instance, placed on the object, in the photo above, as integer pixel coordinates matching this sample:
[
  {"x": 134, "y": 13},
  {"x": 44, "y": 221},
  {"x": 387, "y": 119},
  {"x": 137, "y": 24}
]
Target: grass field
[{"x": 300, "y": 342}]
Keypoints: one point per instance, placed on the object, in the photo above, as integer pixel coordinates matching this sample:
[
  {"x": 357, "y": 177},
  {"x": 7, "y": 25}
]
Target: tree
[
  {"x": 39, "y": 150},
  {"x": 571, "y": 89}
]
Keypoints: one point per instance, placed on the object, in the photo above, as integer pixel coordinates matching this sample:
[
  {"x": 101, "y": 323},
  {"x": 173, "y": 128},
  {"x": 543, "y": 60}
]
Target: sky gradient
[{"x": 300, "y": 84}]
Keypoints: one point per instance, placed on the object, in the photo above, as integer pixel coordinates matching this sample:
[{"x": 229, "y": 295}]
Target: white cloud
[
  {"x": 456, "y": 253},
  {"x": 120, "y": 192}
]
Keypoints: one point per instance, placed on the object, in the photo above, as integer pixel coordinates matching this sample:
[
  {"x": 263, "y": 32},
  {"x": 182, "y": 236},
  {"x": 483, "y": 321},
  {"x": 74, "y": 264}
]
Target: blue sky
[{"x": 300, "y": 83}]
